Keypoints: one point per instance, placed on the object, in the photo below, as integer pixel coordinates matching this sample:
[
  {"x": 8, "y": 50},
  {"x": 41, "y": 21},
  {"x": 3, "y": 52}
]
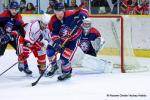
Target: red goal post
[
  {"x": 119, "y": 18},
  {"x": 117, "y": 32}
]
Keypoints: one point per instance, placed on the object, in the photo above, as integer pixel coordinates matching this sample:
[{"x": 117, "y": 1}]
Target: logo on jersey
[
  {"x": 65, "y": 30},
  {"x": 85, "y": 45}
]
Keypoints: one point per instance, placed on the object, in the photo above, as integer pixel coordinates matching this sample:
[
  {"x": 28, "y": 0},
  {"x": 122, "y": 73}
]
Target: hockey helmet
[
  {"x": 14, "y": 5},
  {"x": 59, "y": 6},
  {"x": 45, "y": 18}
]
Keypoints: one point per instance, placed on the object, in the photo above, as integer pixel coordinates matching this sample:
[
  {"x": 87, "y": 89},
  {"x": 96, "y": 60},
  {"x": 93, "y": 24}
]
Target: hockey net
[{"x": 116, "y": 31}]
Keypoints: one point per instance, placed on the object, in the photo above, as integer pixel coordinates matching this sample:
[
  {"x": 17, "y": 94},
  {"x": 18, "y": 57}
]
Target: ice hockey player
[
  {"x": 130, "y": 7},
  {"x": 144, "y": 7},
  {"x": 61, "y": 25},
  {"x": 91, "y": 40},
  {"x": 12, "y": 12},
  {"x": 34, "y": 42},
  {"x": 10, "y": 27},
  {"x": 125, "y": 7}
]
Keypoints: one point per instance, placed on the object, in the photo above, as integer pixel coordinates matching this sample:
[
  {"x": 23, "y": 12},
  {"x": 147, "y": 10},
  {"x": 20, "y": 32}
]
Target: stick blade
[{"x": 34, "y": 83}]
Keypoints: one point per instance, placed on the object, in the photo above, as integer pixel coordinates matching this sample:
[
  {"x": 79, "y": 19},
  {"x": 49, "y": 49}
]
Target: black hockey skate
[
  {"x": 53, "y": 70},
  {"x": 27, "y": 71},
  {"x": 65, "y": 76},
  {"x": 24, "y": 68}
]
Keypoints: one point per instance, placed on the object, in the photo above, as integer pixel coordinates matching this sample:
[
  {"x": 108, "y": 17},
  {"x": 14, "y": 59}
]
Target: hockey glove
[
  {"x": 14, "y": 33},
  {"x": 6, "y": 38},
  {"x": 98, "y": 44},
  {"x": 37, "y": 46},
  {"x": 23, "y": 49},
  {"x": 57, "y": 45},
  {"x": 24, "y": 52}
]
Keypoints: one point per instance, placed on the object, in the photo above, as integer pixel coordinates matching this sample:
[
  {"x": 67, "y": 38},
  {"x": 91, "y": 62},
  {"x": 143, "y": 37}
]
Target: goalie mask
[{"x": 86, "y": 25}]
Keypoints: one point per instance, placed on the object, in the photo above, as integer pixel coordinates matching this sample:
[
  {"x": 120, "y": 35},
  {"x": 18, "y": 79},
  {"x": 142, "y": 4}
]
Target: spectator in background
[
  {"x": 130, "y": 7},
  {"x": 50, "y": 8},
  {"x": 36, "y": 11},
  {"x": 124, "y": 6},
  {"x": 86, "y": 4},
  {"x": 100, "y": 6},
  {"x": 1, "y": 5},
  {"x": 14, "y": 0},
  {"x": 135, "y": 8},
  {"x": 115, "y": 6},
  {"x": 95, "y": 4},
  {"x": 30, "y": 8},
  {"x": 144, "y": 7},
  {"x": 104, "y": 7},
  {"x": 22, "y": 6},
  {"x": 73, "y": 5}
]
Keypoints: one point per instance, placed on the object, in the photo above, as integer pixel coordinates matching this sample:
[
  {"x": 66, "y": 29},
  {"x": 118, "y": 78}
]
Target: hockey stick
[
  {"x": 9, "y": 68},
  {"x": 34, "y": 83}
]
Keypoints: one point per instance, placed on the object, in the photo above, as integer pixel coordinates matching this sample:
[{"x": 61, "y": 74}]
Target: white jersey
[{"x": 34, "y": 33}]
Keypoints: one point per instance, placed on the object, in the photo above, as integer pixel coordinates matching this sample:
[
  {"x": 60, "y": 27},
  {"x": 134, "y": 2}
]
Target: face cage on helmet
[{"x": 86, "y": 25}]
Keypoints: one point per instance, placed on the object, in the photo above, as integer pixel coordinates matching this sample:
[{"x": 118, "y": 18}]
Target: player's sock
[{"x": 42, "y": 68}]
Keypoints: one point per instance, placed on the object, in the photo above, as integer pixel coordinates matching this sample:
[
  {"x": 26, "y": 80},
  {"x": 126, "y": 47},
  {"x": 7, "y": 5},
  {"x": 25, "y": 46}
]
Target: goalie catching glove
[{"x": 98, "y": 44}]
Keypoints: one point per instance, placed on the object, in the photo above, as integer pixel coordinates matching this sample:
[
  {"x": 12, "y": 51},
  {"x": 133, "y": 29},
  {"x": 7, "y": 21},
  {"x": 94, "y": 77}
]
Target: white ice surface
[{"x": 15, "y": 85}]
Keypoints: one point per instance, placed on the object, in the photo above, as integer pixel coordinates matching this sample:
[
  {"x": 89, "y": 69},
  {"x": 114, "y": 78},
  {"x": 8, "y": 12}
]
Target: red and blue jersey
[
  {"x": 16, "y": 25},
  {"x": 60, "y": 29},
  {"x": 18, "y": 17},
  {"x": 16, "y": 20}
]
